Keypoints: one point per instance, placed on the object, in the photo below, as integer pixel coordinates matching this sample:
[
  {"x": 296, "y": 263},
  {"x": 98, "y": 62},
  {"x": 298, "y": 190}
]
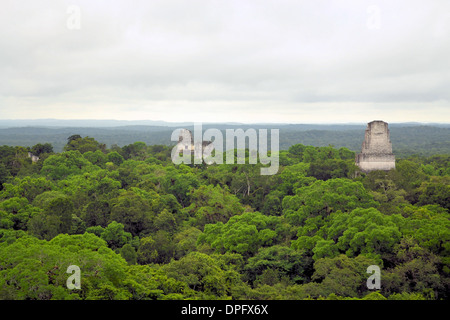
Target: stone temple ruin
[
  {"x": 33, "y": 157},
  {"x": 185, "y": 142},
  {"x": 376, "y": 152}
]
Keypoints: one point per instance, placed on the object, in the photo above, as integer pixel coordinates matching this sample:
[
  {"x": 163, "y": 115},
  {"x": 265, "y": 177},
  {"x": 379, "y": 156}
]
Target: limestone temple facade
[{"x": 376, "y": 152}]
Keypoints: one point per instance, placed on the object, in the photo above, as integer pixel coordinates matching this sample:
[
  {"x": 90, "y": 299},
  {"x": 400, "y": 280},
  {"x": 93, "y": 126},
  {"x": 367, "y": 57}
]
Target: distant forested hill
[{"x": 406, "y": 140}]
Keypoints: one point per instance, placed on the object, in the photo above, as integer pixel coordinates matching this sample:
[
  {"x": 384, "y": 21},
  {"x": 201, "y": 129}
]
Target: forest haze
[{"x": 407, "y": 138}]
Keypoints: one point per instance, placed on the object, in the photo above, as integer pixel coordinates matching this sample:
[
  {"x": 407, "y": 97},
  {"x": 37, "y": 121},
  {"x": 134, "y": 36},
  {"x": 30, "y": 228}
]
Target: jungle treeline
[{"x": 140, "y": 227}]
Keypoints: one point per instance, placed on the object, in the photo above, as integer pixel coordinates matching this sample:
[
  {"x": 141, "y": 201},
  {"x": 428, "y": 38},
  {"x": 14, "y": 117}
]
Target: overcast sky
[{"x": 225, "y": 60}]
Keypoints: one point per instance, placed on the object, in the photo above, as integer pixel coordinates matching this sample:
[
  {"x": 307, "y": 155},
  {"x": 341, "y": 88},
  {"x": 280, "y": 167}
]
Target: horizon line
[{"x": 220, "y": 122}]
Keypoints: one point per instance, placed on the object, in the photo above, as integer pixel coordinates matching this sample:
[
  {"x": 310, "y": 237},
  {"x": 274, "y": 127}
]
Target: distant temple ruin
[
  {"x": 33, "y": 157},
  {"x": 376, "y": 152},
  {"x": 185, "y": 142}
]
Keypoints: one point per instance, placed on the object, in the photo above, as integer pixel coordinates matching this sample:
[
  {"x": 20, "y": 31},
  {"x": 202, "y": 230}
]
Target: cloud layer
[{"x": 226, "y": 60}]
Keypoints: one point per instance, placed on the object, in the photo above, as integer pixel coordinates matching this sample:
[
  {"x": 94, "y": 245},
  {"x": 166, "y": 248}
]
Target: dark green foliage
[
  {"x": 242, "y": 234},
  {"x": 141, "y": 227},
  {"x": 40, "y": 149},
  {"x": 133, "y": 211},
  {"x": 281, "y": 261},
  {"x": 115, "y": 158},
  {"x": 86, "y": 144},
  {"x": 5, "y": 176}
]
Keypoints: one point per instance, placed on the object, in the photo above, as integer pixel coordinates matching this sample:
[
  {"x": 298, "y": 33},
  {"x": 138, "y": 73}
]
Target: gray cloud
[{"x": 295, "y": 61}]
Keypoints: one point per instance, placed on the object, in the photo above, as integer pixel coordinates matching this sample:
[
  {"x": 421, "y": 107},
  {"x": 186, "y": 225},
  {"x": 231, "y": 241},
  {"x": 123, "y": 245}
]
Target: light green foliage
[
  {"x": 87, "y": 187},
  {"x": 324, "y": 197},
  {"x": 325, "y": 248},
  {"x": 148, "y": 283},
  {"x": 115, "y": 235},
  {"x": 363, "y": 231},
  {"x": 28, "y": 187},
  {"x": 430, "y": 227},
  {"x": 37, "y": 268},
  {"x": 211, "y": 204},
  {"x": 97, "y": 157},
  {"x": 115, "y": 158},
  {"x": 140, "y": 227},
  {"x": 148, "y": 252},
  {"x": 180, "y": 183},
  {"x": 62, "y": 165},
  {"x": 243, "y": 234},
  {"x": 294, "y": 177},
  {"x": 201, "y": 273}
]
